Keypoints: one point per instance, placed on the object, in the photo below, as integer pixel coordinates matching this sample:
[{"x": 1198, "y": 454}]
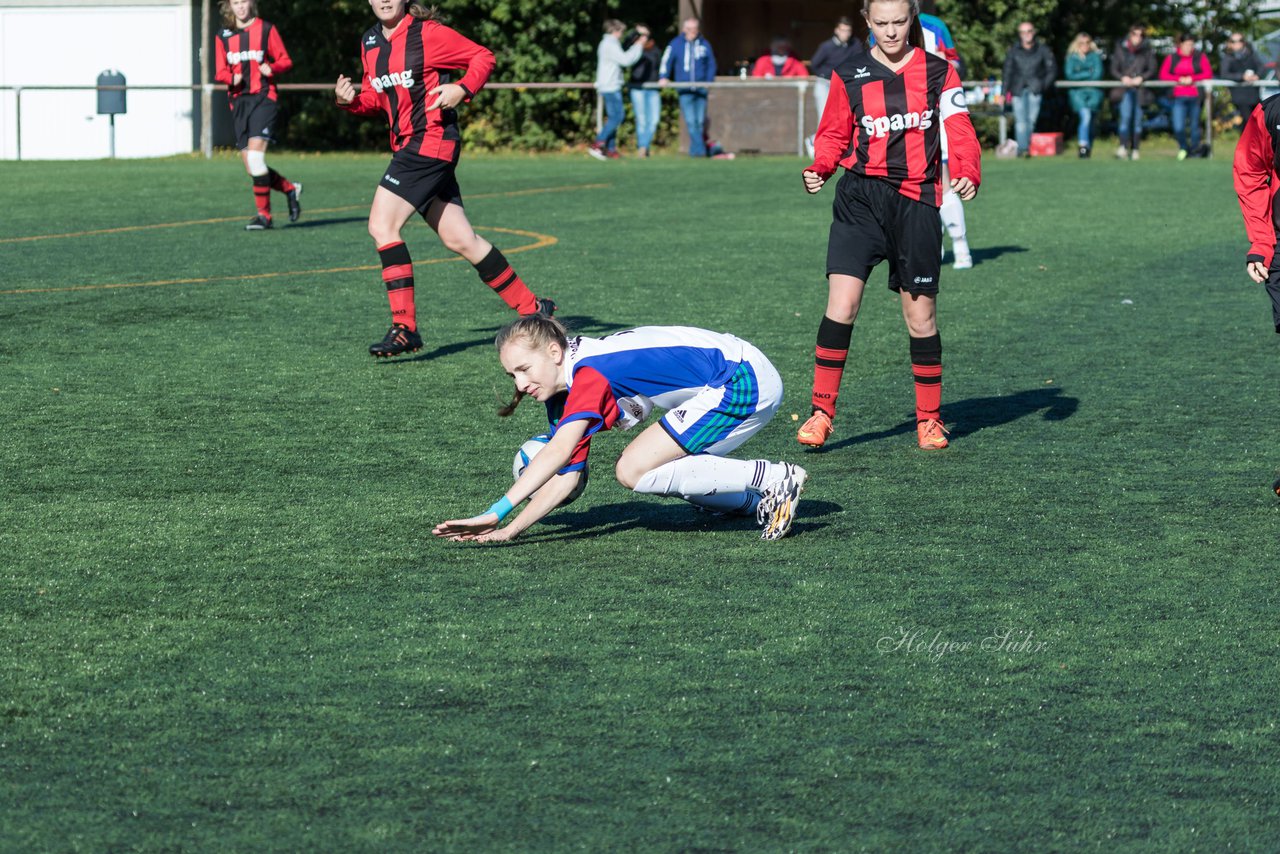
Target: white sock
[
  {"x": 716, "y": 483},
  {"x": 952, "y": 213}
]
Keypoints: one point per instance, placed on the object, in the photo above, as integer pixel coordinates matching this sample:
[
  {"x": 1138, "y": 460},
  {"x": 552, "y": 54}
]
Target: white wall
[{"x": 148, "y": 44}]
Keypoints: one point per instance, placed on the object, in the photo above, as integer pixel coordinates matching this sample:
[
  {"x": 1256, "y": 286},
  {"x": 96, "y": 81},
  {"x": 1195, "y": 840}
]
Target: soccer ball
[{"x": 529, "y": 450}]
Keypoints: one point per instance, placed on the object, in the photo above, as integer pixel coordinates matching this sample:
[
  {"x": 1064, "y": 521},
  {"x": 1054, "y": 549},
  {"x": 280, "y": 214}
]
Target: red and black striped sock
[
  {"x": 829, "y": 357},
  {"x": 279, "y": 183},
  {"x": 495, "y": 272},
  {"x": 262, "y": 195},
  {"x": 926, "y": 366},
  {"x": 397, "y": 274}
]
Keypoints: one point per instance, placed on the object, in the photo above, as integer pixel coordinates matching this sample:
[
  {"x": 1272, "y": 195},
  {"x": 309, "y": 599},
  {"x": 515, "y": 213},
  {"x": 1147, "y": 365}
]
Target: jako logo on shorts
[
  {"x": 399, "y": 78},
  {"x": 878, "y": 126}
]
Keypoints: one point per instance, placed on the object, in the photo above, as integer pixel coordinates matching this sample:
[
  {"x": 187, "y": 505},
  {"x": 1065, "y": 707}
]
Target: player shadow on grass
[
  {"x": 321, "y": 223},
  {"x": 580, "y": 323},
  {"x": 442, "y": 350},
  {"x": 990, "y": 253},
  {"x": 664, "y": 517},
  {"x": 966, "y": 417}
]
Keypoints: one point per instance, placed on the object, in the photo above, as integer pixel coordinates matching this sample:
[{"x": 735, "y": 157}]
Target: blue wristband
[{"x": 502, "y": 507}]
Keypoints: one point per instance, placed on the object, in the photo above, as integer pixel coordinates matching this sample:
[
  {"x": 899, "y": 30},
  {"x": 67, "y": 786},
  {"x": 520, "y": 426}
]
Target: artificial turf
[{"x": 225, "y": 624}]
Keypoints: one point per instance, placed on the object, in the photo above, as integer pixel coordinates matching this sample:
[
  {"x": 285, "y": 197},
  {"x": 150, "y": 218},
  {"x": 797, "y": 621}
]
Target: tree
[
  {"x": 532, "y": 41},
  {"x": 984, "y": 29}
]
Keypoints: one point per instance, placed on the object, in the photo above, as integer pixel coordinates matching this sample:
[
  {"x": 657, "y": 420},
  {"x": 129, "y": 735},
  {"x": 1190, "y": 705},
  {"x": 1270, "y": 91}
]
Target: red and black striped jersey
[
  {"x": 1255, "y": 173},
  {"x": 400, "y": 71},
  {"x": 244, "y": 51},
  {"x": 887, "y": 124}
]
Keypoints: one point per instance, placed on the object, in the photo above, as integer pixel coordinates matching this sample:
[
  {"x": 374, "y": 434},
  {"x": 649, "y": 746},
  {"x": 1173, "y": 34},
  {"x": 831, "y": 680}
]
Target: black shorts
[
  {"x": 1273, "y": 287},
  {"x": 253, "y": 115},
  {"x": 421, "y": 180},
  {"x": 871, "y": 222}
]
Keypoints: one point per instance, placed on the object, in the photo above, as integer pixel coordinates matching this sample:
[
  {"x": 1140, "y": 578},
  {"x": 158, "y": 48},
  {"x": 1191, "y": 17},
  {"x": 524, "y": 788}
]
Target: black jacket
[
  {"x": 1133, "y": 63},
  {"x": 1029, "y": 70},
  {"x": 646, "y": 68},
  {"x": 1234, "y": 64},
  {"x": 830, "y": 54}
]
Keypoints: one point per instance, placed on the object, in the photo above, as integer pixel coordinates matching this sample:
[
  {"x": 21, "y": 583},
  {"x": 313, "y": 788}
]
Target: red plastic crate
[{"x": 1046, "y": 144}]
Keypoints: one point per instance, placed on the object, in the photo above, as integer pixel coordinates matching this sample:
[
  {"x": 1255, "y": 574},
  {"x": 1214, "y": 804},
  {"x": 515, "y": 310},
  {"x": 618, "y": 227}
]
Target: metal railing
[
  {"x": 210, "y": 88},
  {"x": 801, "y": 85},
  {"x": 1205, "y": 86}
]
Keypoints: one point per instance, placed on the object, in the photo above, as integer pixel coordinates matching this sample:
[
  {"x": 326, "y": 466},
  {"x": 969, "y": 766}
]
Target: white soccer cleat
[{"x": 777, "y": 508}]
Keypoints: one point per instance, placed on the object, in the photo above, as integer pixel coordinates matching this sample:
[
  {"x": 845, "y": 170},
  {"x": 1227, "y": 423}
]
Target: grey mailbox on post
[{"x": 111, "y": 102}]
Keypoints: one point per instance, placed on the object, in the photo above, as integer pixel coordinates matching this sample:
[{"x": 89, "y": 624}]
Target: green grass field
[{"x": 225, "y": 624}]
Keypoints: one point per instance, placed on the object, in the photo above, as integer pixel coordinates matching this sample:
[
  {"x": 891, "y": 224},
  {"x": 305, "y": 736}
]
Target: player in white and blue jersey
[
  {"x": 717, "y": 391},
  {"x": 938, "y": 41}
]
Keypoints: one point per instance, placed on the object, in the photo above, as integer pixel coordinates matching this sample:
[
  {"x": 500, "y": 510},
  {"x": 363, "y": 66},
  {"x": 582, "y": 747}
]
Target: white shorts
[{"x": 718, "y": 420}]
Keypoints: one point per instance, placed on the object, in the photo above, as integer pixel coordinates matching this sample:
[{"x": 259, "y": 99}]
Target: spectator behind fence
[
  {"x": 1240, "y": 62},
  {"x": 610, "y": 60},
  {"x": 1132, "y": 63},
  {"x": 1029, "y": 72},
  {"x": 689, "y": 59},
  {"x": 1187, "y": 67},
  {"x": 830, "y": 54},
  {"x": 646, "y": 102},
  {"x": 1084, "y": 62},
  {"x": 779, "y": 62}
]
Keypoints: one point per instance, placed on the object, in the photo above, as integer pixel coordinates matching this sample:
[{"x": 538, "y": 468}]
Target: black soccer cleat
[
  {"x": 547, "y": 307},
  {"x": 399, "y": 340},
  {"x": 258, "y": 223},
  {"x": 1275, "y": 487},
  {"x": 295, "y": 207}
]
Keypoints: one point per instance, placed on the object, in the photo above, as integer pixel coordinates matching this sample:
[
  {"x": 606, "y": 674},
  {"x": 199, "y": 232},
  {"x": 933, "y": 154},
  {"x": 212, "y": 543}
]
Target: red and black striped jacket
[
  {"x": 400, "y": 71},
  {"x": 243, "y": 51},
  {"x": 1255, "y": 170},
  {"x": 887, "y": 125}
]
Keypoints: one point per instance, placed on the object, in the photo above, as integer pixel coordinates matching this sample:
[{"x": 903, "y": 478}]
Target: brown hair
[
  {"x": 915, "y": 37},
  {"x": 423, "y": 13},
  {"x": 536, "y": 331},
  {"x": 229, "y": 17}
]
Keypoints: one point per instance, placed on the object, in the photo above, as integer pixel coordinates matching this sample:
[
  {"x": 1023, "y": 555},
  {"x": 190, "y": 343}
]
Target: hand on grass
[
  {"x": 502, "y": 535},
  {"x": 467, "y": 529}
]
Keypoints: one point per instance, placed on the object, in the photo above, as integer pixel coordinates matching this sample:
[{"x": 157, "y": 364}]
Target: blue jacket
[
  {"x": 687, "y": 61},
  {"x": 1087, "y": 67}
]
